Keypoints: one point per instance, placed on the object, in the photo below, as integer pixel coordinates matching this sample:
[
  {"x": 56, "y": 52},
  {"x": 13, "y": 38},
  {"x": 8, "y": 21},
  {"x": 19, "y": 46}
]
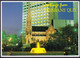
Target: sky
[{"x": 12, "y": 17}]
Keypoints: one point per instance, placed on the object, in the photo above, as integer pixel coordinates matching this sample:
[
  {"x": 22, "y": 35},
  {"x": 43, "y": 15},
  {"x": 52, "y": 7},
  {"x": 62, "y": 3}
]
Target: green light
[{"x": 75, "y": 29}]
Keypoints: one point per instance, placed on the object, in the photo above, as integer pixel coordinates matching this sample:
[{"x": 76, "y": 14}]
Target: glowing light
[
  {"x": 64, "y": 52},
  {"x": 38, "y": 49},
  {"x": 16, "y": 43},
  {"x": 10, "y": 39},
  {"x": 41, "y": 21},
  {"x": 75, "y": 29}
]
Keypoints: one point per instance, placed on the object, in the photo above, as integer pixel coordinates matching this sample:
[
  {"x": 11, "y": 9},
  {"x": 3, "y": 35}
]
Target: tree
[
  {"x": 56, "y": 42},
  {"x": 72, "y": 32},
  {"x": 33, "y": 45},
  {"x": 71, "y": 35},
  {"x": 4, "y": 37}
]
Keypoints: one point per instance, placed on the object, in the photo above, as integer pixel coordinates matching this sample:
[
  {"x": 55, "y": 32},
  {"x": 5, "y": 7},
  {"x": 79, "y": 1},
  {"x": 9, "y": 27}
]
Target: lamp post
[{"x": 75, "y": 29}]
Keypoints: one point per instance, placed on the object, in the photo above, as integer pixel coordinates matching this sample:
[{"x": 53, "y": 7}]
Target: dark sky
[{"x": 12, "y": 17}]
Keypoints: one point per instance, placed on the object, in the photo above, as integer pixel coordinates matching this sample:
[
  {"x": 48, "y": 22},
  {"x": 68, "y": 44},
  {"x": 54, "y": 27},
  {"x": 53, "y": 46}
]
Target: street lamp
[
  {"x": 69, "y": 39},
  {"x": 16, "y": 44},
  {"x": 10, "y": 39},
  {"x": 75, "y": 29}
]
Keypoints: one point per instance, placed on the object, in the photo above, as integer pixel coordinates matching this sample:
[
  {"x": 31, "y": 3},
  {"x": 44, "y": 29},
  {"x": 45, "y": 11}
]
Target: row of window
[
  {"x": 37, "y": 7},
  {"x": 38, "y": 4},
  {"x": 35, "y": 22},
  {"x": 40, "y": 7},
  {"x": 33, "y": 17},
  {"x": 35, "y": 3},
  {"x": 36, "y": 13},
  {"x": 40, "y": 11},
  {"x": 39, "y": 15},
  {"x": 39, "y": 19},
  {"x": 40, "y": 24}
]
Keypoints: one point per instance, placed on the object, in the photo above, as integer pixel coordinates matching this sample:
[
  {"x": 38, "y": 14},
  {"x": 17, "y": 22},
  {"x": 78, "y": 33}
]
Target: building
[
  {"x": 38, "y": 31},
  {"x": 38, "y": 18}
]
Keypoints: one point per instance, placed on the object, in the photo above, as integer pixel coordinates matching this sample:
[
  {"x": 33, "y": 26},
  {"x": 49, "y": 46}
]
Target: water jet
[{"x": 38, "y": 49}]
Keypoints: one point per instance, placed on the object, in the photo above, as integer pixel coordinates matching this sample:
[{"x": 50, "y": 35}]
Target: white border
[
  {"x": 78, "y": 28},
  {"x": 41, "y": 55}
]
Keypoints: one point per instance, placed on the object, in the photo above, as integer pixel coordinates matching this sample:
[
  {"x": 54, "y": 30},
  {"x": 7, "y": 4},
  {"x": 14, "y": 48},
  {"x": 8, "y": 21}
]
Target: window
[
  {"x": 24, "y": 5},
  {"x": 24, "y": 11},
  {"x": 32, "y": 6},
  {"x": 27, "y": 7},
  {"x": 24, "y": 19},
  {"x": 37, "y": 5}
]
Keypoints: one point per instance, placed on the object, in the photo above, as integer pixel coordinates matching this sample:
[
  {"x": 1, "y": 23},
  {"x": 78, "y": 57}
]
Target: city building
[
  {"x": 38, "y": 18},
  {"x": 39, "y": 31}
]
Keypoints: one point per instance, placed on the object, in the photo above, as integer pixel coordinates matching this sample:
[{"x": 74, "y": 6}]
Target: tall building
[
  {"x": 40, "y": 16},
  {"x": 35, "y": 22}
]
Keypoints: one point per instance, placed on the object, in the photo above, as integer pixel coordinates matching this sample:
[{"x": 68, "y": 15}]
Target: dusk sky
[{"x": 12, "y": 17}]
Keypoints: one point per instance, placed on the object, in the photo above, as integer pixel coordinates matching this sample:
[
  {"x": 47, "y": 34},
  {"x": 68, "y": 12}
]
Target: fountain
[{"x": 38, "y": 49}]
